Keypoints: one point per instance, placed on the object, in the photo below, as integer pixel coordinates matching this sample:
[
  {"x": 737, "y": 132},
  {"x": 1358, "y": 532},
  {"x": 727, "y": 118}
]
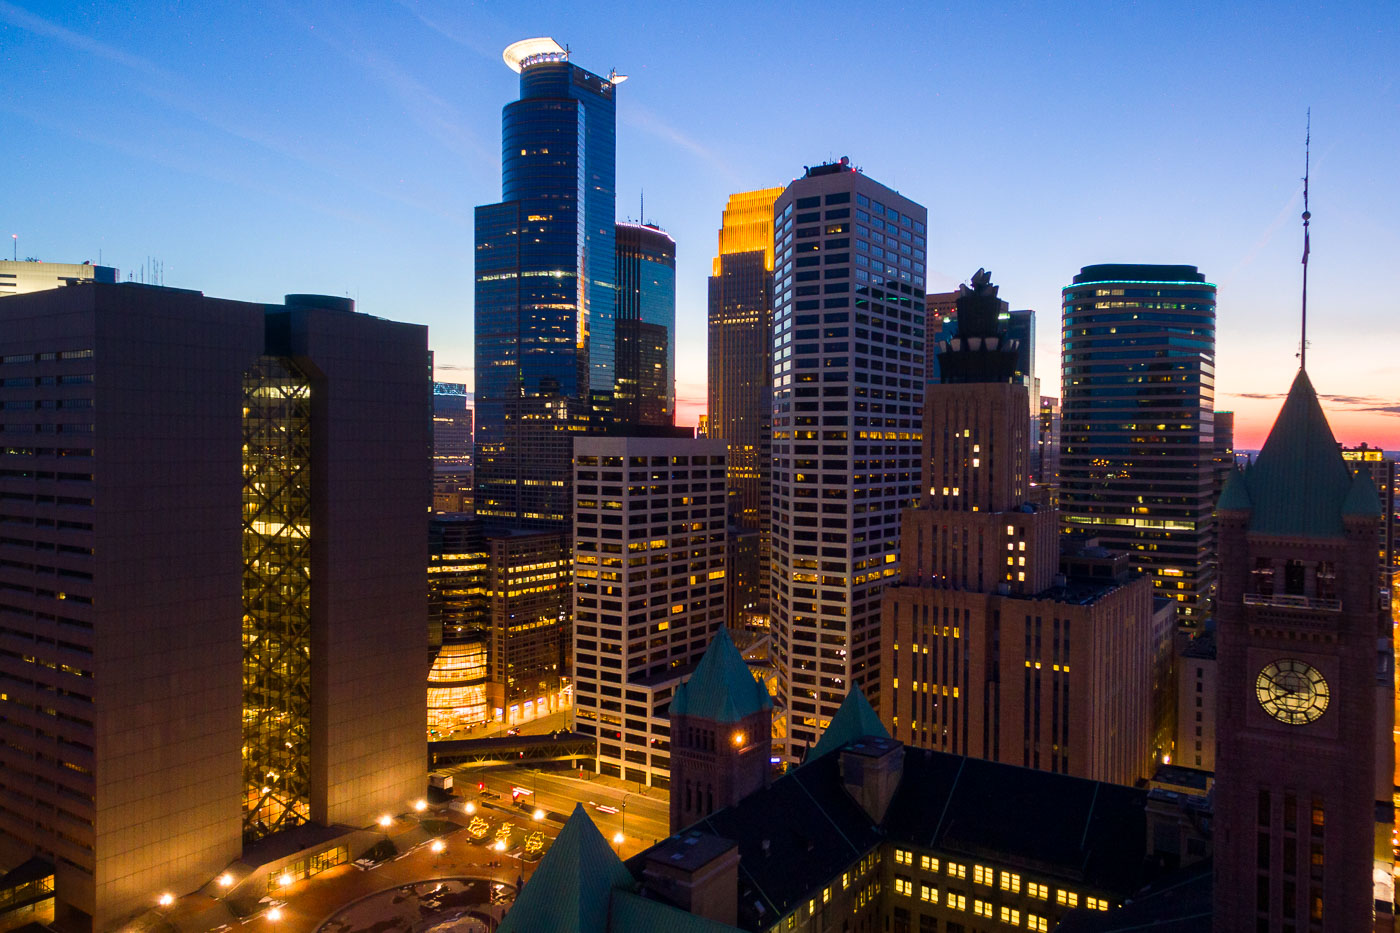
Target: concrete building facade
[
  {"x": 30, "y": 275},
  {"x": 213, "y": 616}
]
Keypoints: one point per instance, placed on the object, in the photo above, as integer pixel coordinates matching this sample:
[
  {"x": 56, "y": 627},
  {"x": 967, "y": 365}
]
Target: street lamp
[
  {"x": 166, "y": 899},
  {"x": 274, "y": 915},
  {"x": 419, "y": 806},
  {"x": 538, "y": 815},
  {"x": 386, "y": 821},
  {"x": 226, "y": 880},
  {"x": 437, "y": 845}
]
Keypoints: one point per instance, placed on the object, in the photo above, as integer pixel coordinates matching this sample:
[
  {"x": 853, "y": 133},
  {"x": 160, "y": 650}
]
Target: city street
[{"x": 647, "y": 817}]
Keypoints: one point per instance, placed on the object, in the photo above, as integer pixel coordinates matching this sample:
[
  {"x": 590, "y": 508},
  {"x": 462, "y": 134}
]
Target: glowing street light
[
  {"x": 286, "y": 880},
  {"x": 166, "y": 899},
  {"x": 470, "y": 808},
  {"x": 226, "y": 880},
  {"x": 539, "y": 815},
  {"x": 274, "y": 914},
  {"x": 618, "y": 838},
  {"x": 420, "y": 805},
  {"x": 500, "y": 845},
  {"x": 437, "y": 845},
  {"x": 386, "y": 821}
]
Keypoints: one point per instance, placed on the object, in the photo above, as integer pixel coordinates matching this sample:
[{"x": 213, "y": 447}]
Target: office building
[
  {"x": 457, "y": 577},
  {"x": 1299, "y": 628},
  {"x": 848, "y": 366},
  {"x": 993, "y": 646},
  {"x": 30, "y": 275},
  {"x": 457, "y": 696},
  {"x": 546, "y": 294},
  {"x": 869, "y": 835},
  {"x": 941, "y": 315},
  {"x": 1138, "y": 387},
  {"x": 655, "y": 503},
  {"x": 646, "y": 327},
  {"x": 741, "y": 390},
  {"x": 212, "y": 620},
  {"x": 1381, "y": 469},
  {"x": 528, "y": 656},
  {"x": 1045, "y": 468},
  {"x": 452, "y": 448},
  {"x": 1197, "y": 685}
]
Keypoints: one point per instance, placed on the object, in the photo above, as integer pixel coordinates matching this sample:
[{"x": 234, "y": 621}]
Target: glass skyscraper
[
  {"x": 545, "y": 292},
  {"x": 645, "y": 392},
  {"x": 1137, "y": 426}
]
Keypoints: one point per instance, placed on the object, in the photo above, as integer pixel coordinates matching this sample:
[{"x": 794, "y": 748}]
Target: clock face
[{"x": 1292, "y": 691}]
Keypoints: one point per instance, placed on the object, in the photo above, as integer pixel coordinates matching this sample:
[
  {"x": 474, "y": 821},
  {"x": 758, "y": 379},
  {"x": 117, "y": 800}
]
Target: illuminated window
[
  {"x": 1037, "y": 890},
  {"x": 928, "y": 893},
  {"x": 1067, "y": 898},
  {"x": 1011, "y": 916},
  {"x": 928, "y": 863},
  {"x": 845, "y": 880},
  {"x": 903, "y": 857},
  {"x": 957, "y": 901},
  {"x": 1010, "y": 881},
  {"x": 981, "y": 908},
  {"x": 826, "y": 895},
  {"x": 903, "y": 886},
  {"x": 956, "y": 870},
  {"x": 981, "y": 874},
  {"x": 1039, "y": 924},
  {"x": 1095, "y": 903}
]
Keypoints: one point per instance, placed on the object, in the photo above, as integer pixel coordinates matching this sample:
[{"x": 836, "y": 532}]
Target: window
[
  {"x": 928, "y": 893},
  {"x": 903, "y": 857},
  {"x": 981, "y": 908},
  {"x": 1011, "y": 916},
  {"x": 1039, "y": 924},
  {"x": 1010, "y": 881},
  {"x": 927, "y": 862},
  {"x": 1067, "y": 898},
  {"x": 1037, "y": 890},
  {"x": 903, "y": 886},
  {"x": 957, "y": 901},
  {"x": 956, "y": 870},
  {"x": 981, "y": 874},
  {"x": 826, "y": 895},
  {"x": 1095, "y": 903}
]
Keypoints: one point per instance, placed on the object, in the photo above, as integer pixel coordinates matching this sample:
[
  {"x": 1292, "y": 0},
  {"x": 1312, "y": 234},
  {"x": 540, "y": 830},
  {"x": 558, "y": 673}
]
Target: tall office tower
[
  {"x": 452, "y": 448},
  {"x": 457, "y": 577},
  {"x": 1045, "y": 470},
  {"x": 848, "y": 366},
  {"x": 29, "y": 275},
  {"x": 545, "y": 290},
  {"x": 1298, "y": 627},
  {"x": 986, "y": 653},
  {"x": 941, "y": 311},
  {"x": 655, "y": 503},
  {"x": 1138, "y": 387},
  {"x": 213, "y": 610},
  {"x": 646, "y": 327},
  {"x": 741, "y": 389},
  {"x": 1381, "y": 469},
  {"x": 527, "y": 578}
]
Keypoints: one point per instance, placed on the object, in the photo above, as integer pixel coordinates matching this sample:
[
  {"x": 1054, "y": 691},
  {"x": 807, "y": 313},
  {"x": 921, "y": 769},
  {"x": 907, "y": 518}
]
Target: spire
[
  {"x": 1307, "y": 216},
  {"x": 854, "y": 720},
  {"x": 722, "y": 688},
  {"x": 573, "y": 884}
]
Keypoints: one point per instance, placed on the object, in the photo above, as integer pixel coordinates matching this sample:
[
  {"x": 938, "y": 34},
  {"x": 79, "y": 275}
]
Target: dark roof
[
  {"x": 1067, "y": 827},
  {"x": 722, "y": 689},
  {"x": 1135, "y": 272},
  {"x": 1202, "y": 646},
  {"x": 801, "y": 832},
  {"x": 1299, "y": 485},
  {"x": 35, "y": 869},
  {"x": 1178, "y": 903}
]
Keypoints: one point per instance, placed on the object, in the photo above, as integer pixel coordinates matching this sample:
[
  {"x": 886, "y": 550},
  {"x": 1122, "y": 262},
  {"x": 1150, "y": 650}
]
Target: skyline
[{"x": 343, "y": 150}]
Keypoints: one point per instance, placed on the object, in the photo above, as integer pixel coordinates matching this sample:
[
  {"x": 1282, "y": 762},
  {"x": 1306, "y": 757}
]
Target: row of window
[{"x": 46, "y": 357}]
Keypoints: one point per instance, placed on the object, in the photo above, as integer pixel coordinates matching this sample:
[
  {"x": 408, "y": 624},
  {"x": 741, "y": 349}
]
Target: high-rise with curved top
[{"x": 545, "y": 292}]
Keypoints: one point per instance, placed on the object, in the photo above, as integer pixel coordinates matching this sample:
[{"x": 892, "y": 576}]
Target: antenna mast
[{"x": 1307, "y": 216}]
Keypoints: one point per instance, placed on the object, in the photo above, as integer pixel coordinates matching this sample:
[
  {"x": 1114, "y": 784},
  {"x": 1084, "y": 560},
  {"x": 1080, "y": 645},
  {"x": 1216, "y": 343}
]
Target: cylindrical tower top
[{"x": 521, "y": 55}]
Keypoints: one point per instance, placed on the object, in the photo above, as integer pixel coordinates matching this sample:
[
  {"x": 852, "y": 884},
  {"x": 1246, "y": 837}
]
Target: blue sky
[{"x": 340, "y": 147}]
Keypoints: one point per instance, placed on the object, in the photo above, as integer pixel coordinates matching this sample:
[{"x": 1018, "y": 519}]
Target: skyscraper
[
  {"x": 545, "y": 291},
  {"x": 848, "y": 380},
  {"x": 1138, "y": 390},
  {"x": 978, "y": 657},
  {"x": 646, "y": 327},
  {"x": 213, "y": 612},
  {"x": 1299, "y": 630},
  {"x": 656, "y": 502},
  {"x": 452, "y": 448},
  {"x": 741, "y": 386}
]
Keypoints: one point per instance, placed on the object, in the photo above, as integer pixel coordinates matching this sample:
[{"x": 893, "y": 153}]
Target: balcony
[{"x": 1287, "y": 601}]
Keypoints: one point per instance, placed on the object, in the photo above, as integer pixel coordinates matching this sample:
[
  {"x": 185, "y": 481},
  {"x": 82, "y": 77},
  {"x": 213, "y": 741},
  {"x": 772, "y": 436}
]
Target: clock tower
[{"x": 1301, "y": 637}]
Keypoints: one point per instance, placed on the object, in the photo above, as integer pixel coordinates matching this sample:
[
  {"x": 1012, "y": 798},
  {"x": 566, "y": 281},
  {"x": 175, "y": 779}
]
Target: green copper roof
[
  {"x": 854, "y": 720},
  {"x": 1362, "y": 499},
  {"x": 1300, "y": 483},
  {"x": 1235, "y": 495},
  {"x": 632, "y": 913},
  {"x": 722, "y": 688},
  {"x": 572, "y": 885}
]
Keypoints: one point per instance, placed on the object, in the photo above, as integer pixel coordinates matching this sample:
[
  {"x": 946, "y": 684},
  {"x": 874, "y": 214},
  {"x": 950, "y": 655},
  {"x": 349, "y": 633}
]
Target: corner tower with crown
[
  {"x": 721, "y": 735},
  {"x": 1300, "y": 626}
]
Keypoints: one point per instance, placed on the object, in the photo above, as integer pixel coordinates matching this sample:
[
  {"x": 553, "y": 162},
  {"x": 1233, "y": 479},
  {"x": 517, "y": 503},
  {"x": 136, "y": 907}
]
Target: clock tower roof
[{"x": 1300, "y": 485}]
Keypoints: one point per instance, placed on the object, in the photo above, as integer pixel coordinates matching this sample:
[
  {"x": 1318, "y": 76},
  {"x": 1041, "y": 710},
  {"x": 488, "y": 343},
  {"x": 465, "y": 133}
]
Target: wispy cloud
[
  {"x": 1370, "y": 403},
  {"x": 636, "y": 115},
  {"x": 466, "y": 40}
]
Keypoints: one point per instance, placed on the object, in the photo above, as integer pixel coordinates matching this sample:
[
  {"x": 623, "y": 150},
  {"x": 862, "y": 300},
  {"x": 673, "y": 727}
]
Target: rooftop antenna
[
  {"x": 642, "y": 219},
  {"x": 15, "y": 238},
  {"x": 1307, "y": 217}
]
